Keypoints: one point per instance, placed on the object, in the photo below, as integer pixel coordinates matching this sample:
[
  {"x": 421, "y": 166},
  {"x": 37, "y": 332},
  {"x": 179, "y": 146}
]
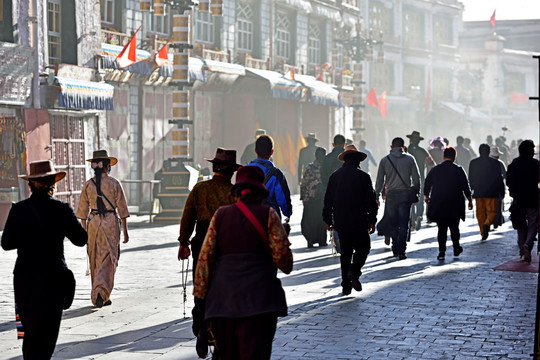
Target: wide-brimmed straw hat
[
  {"x": 250, "y": 175},
  {"x": 42, "y": 169},
  {"x": 494, "y": 152},
  {"x": 103, "y": 154},
  {"x": 225, "y": 156},
  {"x": 351, "y": 150},
  {"x": 439, "y": 139},
  {"x": 415, "y": 135},
  {"x": 312, "y": 137}
]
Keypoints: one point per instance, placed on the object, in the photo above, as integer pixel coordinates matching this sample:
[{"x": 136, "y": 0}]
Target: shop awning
[
  {"x": 321, "y": 92},
  {"x": 459, "y": 108},
  {"x": 78, "y": 94},
  {"x": 281, "y": 88}
]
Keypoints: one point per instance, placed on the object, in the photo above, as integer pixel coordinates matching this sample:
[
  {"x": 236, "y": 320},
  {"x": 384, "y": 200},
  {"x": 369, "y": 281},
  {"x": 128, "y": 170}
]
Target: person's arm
[
  {"x": 428, "y": 183},
  {"x": 415, "y": 174},
  {"x": 283, "y": 194},
  {"x": 379, "y": 182},
  {"x": 75, "y": 231},
  {"x": 372, "y": 207},
  {"x": 206, "y": 261},
  {"x": 279, "y": 243},
  {"x": 372, "y": 158},
  {"x": 328, "y": 207},
  {"x": 9, "y": 236},
  {"x": 300, "y": 163},
  {"x": 187, "y": 225}
]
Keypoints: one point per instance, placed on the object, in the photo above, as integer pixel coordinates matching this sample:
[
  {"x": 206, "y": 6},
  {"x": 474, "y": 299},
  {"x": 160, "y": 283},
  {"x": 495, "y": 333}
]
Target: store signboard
[{"x": 15, "y": 73}]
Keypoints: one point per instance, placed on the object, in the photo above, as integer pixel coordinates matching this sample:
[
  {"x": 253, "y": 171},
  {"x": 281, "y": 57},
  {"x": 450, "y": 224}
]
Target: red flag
[
  {"x": 320, "y": 78},
  {"x": 372, "y": 98},
  {"x": 383, "y": 103},
  {"x": 127, "y": 56},
  {"x": 492, "y": 20},
  {"x": 162, "y": 56}
]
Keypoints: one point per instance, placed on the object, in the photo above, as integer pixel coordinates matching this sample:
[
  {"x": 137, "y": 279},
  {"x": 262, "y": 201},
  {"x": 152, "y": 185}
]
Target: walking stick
[{"x": 185, "y": 273}]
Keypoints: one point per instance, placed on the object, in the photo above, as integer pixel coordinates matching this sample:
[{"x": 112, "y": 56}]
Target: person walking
[
  {"x": 423, "y": 161},
  {"x": 499, "y": 218},
  {"x": 437, "y": 147},
  {"x": 201, "y": 204},
  {"x": 236, "y": 271},
  {"x": 43, "y": 285},
  {"x": 487, "y": 185},
  {"x": 522, "y": 184},
  {"x": 463, "y": 156},
  {"x": 399, "y": 173},
  {"x": 249, "y": 150},
  {"x": 101, "y": 203},
  {"x": 307, "y": 154},
  {"x": 331, "y": 162},
  {"x": 279, "y": 194},
  {"x": 364, "y": 165},
  {"x": 312, "y": 196},
  {"x": 445, "y": 191},
  {"x": 350, "y": 207}
]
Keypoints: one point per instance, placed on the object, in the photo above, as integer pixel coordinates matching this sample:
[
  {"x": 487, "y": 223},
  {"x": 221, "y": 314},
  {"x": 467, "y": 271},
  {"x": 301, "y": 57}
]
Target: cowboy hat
[
  {"x": 415, "y": 134},
  {"x": 224, "y": 156},
  {"x": 352, "y": 151},
  {"x": 250, "y": 175},
  {"x": 103, "y": 154},
  {"x": 42, "y": 169},
  {"x": 494, "y": 152},
  {"x": 311, "y": 136}
]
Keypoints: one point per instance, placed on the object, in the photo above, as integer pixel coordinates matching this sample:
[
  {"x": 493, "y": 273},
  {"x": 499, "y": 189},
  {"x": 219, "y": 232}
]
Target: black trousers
[
  {"x": 355, "y": 246},
  {"x": 247, "y": 338},
  {"x": 39, "y": 300},
  {"x": 444, "y": 225}
]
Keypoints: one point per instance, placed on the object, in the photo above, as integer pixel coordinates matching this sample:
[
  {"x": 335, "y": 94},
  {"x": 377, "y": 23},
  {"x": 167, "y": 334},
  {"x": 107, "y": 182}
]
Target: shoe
[
  {"x": 107, "y": 303},
  {"x": 527, "y": 255},
  {"x": 402, "y": 256},
  {"x": 347, "y": 290},
  {"x": 387, "y": 240},
  {"x": 310, "y": 245},
  {"x": 201, "y": 346},
  {"x": 99, "y": 301},
  {"x": 440, "y": 256},
  {"x": 418, "y": 223},
  {"x": 485, "y": 232},
  {"x": 355, "y": 282},
  {"x": 458, "y": 251}
]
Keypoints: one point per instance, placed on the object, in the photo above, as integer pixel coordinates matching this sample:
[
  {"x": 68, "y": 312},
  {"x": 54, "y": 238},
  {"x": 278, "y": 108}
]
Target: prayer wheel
[
  {"x": 159, "y": 7},
  {"x": 145, "y": 5},
  {"x": 204, "y": 5},
  {"x": 216, "y": 7},
  {"x": 180, "y": 29}
]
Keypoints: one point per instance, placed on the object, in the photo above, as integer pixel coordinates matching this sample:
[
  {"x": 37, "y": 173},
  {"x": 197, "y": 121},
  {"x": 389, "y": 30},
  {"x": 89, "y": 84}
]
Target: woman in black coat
[
  {"x": 445, "y": 190},
  {"x": 36, "y": 227}
]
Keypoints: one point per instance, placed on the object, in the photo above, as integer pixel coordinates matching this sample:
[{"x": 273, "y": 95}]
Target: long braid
[{"x": 99, "y": 167}]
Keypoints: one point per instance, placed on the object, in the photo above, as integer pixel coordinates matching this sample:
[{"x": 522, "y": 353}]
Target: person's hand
[
  {"x": 427, "y": 199},
  {"x": 378, "y": 203},
  {"x": 371, "y": 228},
  {"x": 470, "y": 205},
  {"x": 183, "y": 252},
  {"x": 126, "y": 237},
  {"x": 329, "y": 227}
]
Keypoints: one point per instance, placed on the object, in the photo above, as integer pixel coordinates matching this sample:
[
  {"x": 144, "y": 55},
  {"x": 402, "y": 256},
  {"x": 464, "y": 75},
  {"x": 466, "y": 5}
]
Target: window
[
  {"x": 54, "y": 31},
  {"x": 314, "y": 44},
  {"x": 244, "y": 27},
  {"x": 204, "y": 27},
  {"x": 107, "y": 11},
  {"x": 413, "y": 27},
  {"x": 380, "y": 18},
  {"x": 283, "y": 36},
  {"x": 442, "y": 30},
  {"x": 161, "y": 24}
]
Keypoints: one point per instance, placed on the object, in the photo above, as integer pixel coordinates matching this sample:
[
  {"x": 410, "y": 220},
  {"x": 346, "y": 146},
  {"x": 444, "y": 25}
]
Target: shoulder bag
[{"x": 412, "y": 193}]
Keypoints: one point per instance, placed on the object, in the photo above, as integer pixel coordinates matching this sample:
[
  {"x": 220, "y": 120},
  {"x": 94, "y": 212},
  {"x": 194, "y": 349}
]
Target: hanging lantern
[
  {"x": 181, "y": 67},
  {"x": 181, "y": 105},
  {"x": 217, "y": 7},
  {"x": 180, "y": 142},
  {"x": 159, "y": 7},
  {"x": 145, "y": 5},
  {"x": 180, "y": 29},
  {"x": 204, "y": 5}
]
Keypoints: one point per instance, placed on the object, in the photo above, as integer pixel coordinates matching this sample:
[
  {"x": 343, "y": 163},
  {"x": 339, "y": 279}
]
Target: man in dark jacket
[
  {"x": 249, "y": 151},
  {"x": 463, "y": 156},
  {"x": 487, "y": 185},
  {"x": 445, "y": 191},
  {"x": 399, "y": 173},
  {"x": 331, "y": 162},
  {"x": 307, "y": 155},
  {"x": 522, "y": 180},
  {"x": 350, "y": 207}
]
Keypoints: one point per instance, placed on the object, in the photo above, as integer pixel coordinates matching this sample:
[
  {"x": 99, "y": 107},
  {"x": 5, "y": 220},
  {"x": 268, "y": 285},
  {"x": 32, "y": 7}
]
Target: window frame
[
  {"x": 54, "y": 31},
  {"x": 314, "y": 44},
  {"x": 104, "y": 13},
  {"x": 204, "y": 21},
  {"x": 244, "y": 27},
  {"x": 283, "y": 36}
]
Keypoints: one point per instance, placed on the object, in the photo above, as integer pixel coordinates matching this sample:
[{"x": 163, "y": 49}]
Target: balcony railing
[
  {"x": 114, "y": 37},
  {"x": 257, "y": 63}
]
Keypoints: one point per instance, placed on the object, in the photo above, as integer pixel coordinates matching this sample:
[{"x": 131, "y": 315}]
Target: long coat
[
  {"x": 447, "y": 186},
  {"x": 36, "y": 227}
]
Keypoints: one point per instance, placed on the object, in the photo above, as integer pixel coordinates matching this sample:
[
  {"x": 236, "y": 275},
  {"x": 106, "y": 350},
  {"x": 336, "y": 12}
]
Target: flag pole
[{"x": 536, "y": 355}]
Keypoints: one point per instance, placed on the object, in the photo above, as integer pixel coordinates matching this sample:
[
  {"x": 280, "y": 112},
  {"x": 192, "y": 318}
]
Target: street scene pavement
[{"x": 418, "y": 308}]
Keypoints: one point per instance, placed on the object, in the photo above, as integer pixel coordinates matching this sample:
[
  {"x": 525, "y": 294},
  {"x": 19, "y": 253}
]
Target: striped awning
[
  {"x": 78, "y": 94},
  {"x": 321, "y": 92},
  {"x": 281, "y": 88}
]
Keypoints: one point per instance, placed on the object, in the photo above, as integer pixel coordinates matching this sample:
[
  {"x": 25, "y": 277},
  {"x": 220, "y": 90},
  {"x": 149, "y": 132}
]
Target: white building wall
[
  {"x": 265, "y": 29},
  {"x": 301, "y": 48}
]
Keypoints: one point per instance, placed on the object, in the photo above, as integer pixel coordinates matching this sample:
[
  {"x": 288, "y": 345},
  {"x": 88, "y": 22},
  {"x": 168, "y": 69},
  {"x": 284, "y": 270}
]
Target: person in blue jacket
[{"x": 279, "y": 196}]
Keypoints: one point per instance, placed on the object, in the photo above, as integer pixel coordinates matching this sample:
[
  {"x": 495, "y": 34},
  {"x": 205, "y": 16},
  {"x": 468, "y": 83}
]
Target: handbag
[{"x": 412, "y": 192}]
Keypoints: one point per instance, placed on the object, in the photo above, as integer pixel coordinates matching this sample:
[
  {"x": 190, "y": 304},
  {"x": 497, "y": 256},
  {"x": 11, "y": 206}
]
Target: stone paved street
[{"x": 418, "y": 308}]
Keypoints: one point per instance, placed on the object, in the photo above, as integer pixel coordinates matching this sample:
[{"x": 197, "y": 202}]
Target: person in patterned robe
[
  {"x": 312, "y": 195},
  {"x": 102, "y": 202}
]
